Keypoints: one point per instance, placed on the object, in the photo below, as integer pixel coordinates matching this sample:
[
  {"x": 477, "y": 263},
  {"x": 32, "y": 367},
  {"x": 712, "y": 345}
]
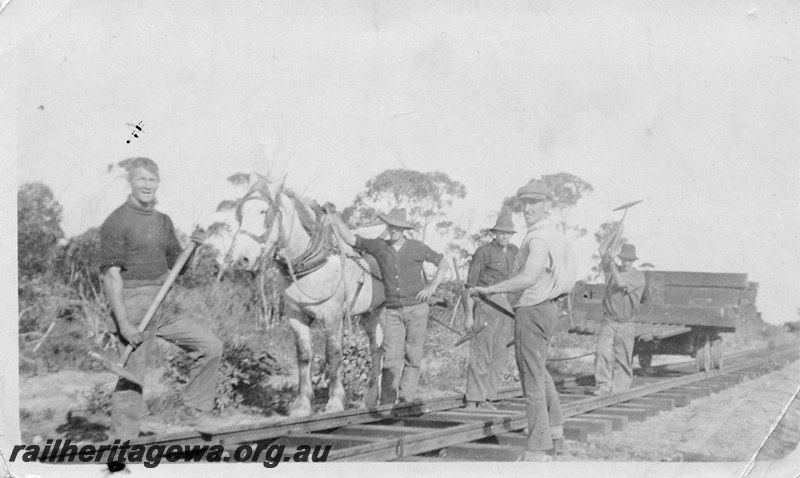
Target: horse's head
[{"x": 258, "y": 216}]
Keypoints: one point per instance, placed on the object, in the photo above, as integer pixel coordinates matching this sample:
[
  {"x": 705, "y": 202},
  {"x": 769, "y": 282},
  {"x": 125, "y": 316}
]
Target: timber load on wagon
[{"x": 682, "y": 313}]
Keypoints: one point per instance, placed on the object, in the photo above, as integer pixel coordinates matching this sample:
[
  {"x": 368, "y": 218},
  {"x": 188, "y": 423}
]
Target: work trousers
[
  {"x": 613, "y": 359},
  {"x": 403, "y": 339},
  {"x": 488, "y": 354},
  {"x": 205, "y": 350},
  {"x": 532, "y": 331}
]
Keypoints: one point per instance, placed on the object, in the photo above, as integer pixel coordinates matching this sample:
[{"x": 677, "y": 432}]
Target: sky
[{"x": 690, "y": 106}]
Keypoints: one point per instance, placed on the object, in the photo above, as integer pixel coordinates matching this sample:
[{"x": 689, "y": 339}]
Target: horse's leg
[
  {"x": 374, "y": 332},
  {"x": 299, "y": 323},
  {"x": 333, "y": 356}
]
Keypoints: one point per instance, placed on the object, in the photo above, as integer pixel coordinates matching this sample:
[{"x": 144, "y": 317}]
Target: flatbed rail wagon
[{"x": 685, "y": 313}]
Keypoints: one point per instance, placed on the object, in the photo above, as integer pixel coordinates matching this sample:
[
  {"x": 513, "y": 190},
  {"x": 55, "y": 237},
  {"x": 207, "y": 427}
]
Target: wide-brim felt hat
[
  {"x": 504, "y": 224},
  {"x": 396, "y": 218},
  {"x": 628, "y": 251},
  {"x": 535, "y": 190}
]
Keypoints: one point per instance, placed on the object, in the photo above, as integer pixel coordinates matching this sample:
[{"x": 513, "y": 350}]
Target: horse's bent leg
[
  {"x": 333, "y": 355},
  {"x": 302, "y": 335},
  {"x": 374, "y": 332}
]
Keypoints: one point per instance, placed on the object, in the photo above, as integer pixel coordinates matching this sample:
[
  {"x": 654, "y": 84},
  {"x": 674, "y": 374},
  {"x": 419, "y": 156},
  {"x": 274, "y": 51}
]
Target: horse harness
[{"x": 320, "y": 247}]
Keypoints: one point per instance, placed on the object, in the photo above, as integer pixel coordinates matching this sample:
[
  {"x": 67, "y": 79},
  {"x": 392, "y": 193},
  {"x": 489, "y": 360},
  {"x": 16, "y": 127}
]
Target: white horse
[{"x": 327, "y": 281}]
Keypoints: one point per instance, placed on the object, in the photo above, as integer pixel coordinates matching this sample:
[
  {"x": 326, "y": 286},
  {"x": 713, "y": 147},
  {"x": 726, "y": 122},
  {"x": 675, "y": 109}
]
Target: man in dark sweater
[
  {"x": 488, "y": 355},
  {"x": 404, "y": 315},
  {"x": 138, "y": 248}
]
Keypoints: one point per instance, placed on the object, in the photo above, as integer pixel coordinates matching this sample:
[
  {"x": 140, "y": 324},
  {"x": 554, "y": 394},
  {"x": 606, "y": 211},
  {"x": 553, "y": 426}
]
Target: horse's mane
[{"x": 306, "y": 210}]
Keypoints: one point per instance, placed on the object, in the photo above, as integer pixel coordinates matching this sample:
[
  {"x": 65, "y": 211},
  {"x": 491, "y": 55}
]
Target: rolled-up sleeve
[
  {"x": 429, "y": 255},
  {"x": 632, "y": 281},
  {"x": 370, "y": 246}
]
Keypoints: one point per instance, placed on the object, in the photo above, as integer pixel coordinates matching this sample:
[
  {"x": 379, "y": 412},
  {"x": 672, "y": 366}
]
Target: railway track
[{"x": 441, "y": 429}]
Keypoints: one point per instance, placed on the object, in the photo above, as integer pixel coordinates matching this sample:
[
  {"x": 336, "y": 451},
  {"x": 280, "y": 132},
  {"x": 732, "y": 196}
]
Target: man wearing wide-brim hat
[
  {"x": 546, "y": 271},
  {"x": 404, "y": 315},
  {"x": 488, "y": 356},
  {"x": 613, "y": 363}
]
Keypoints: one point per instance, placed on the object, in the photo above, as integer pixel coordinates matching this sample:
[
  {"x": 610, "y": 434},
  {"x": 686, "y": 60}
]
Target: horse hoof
[
  {"x": 334, "y": 407},
  {"x": 300, "y": 408},
  {"x": 299, "y": 412}
]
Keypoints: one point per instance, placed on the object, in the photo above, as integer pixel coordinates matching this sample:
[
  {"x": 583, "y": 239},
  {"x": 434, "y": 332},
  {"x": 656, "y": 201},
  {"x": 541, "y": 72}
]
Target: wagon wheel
[
  {"x": 703, "y": 357},
  {"x": 716, "y": 354},
  {"x": 645, "y": 360}
]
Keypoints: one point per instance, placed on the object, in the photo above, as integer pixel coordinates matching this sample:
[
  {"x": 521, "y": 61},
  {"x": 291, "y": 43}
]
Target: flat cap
[{"x": 535, "y": 190}]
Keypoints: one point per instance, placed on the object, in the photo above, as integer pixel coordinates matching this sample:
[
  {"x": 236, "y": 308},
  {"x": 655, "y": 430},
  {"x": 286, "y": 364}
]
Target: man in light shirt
[{"x": 546, "y": 271}]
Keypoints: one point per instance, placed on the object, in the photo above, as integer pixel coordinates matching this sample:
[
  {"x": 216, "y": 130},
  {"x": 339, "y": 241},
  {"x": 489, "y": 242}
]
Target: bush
[
  {"x": 355, "y": 367},
  {"x": 97, "y": 401},
  {"x": 38, "y": 229},
  {"x": 242, "y": 378},
  {"x": 203, "y": 268},
  {"x": 76, "y": 263}
]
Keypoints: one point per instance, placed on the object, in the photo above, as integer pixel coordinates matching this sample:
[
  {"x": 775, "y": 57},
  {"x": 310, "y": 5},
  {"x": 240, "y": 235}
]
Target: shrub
[
  {"x": 76, "y": 263},
  {"x": 242, "y": 376},
  {"x": 38, "y": 229},
  {"x": 355, "y": 367},
  {"x": 97, "y": 401}
]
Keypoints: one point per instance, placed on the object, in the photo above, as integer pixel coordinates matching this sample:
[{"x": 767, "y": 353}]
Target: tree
[
  {"x": 568, "y": 189},
  {"x": 38, "y": 229},
  {"x": 423, "y": 195}
]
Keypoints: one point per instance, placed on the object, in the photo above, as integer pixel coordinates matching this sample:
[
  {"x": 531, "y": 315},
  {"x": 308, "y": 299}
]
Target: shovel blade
[
  {"x": 115, "y": 368},
  {"x": 470, "y": 335}
]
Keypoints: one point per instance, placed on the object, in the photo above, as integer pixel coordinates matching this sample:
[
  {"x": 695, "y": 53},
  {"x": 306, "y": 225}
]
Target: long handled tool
[
  {"x": 119, "y": 368},
  {"x": 465, "y": 304},
  {"x": 611, "y": 242}
]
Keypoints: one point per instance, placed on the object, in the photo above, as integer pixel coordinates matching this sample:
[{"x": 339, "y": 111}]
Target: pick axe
[
  {"x": 611, "y": 242},
  {"x": 119, "y": 368}
]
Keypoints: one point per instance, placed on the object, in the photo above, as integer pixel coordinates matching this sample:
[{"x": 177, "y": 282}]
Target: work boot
[
  {"x": 599, "y": 392},
  {"x": 487, "y": 406}
]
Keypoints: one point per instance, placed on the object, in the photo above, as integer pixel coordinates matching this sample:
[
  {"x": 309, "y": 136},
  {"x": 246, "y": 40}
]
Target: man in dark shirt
[
  {"x": 613, "y": 363},
  {"x": 138, "y": 248},
  {"x": 488, "y": 356},
  {"x": 405, "y": 311}
]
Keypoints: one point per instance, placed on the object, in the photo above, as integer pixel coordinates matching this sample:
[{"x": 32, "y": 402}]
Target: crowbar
[
  {"x": 465, "y": 304},
  {"x": 498, "y": 308},
  {"x": 119, "y": 368}
]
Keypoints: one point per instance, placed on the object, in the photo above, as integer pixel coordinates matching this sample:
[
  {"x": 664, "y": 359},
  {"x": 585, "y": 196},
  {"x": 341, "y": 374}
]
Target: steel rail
[
  {"x": 395, "y": 448},
  {"x": 267, "y": 429},
  {"x": 422, "y": 442}
]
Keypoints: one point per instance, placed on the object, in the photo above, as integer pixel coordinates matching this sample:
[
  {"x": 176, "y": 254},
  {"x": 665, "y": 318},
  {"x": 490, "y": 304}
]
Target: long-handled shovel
[{"x": 119, "y": 368}]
